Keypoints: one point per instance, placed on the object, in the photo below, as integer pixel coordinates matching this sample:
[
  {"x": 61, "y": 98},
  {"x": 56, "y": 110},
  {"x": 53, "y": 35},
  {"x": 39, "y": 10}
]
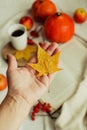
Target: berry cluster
[
  {"x": 30, "y": 41},
  {"x": 46, "y": 107},
  {"x": 34, "y": 34}
]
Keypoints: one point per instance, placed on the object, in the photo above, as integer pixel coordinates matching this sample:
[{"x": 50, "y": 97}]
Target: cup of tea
[{"x": 18, "y": 36}]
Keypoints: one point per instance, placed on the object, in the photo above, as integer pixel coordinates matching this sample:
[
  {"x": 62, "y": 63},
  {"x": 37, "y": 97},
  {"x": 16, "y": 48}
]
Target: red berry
[
  {"x": 44, "y": 109},
  {"x": 33, "y": 118},
  {"x": 36, "y": 109},
  {"x": 33, "y": 113},
  {"x": 39, "y": 105},
  {"x": 44, "y": 104},
  {"x": 49, "y": 105},
  {"x": 48, "y": 109},
  {"x": 34, "y": 33},
  {"x": 30, "y": 42}
]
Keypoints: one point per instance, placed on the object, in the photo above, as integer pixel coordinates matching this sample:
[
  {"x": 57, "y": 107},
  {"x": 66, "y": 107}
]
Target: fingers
[
  {"x": 55, "y": 51},
  {"x": 34, "y": 58},
  {"x": 45, "y": 45},
  {"x": 51, "y": 48},
  {"x": 12, "y": 63}
]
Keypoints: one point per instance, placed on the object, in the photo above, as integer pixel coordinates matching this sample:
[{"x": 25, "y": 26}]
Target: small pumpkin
[
  {"x": 41, "y": 9},
  {"x": 59, "y": 27}
]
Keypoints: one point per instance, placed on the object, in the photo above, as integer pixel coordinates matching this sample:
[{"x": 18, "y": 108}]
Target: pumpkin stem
[{"x": 58, "y": 14}]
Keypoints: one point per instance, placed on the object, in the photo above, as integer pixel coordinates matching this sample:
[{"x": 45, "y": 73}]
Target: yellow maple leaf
[
  {"x": 46, "y": 64},
  {"x": 26, "y": 53}
]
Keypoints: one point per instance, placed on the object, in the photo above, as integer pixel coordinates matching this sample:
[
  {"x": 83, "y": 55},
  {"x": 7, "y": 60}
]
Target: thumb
[{"x": 12, "y": 63}]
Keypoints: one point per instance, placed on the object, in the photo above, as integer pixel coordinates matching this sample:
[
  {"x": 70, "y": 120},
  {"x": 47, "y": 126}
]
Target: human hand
[{"x": 24, "y": 81}]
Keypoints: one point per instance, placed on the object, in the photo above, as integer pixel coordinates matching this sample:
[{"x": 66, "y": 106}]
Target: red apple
[
  {"x": 80, "y": 15},
  {"x": 27, "y": 22},
  {"x": 3, "y": 82}
]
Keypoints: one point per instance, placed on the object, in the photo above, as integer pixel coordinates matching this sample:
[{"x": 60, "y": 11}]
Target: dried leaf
[
  {"x": 26, "y": 53},
  {"x": 46, "y": 64}
]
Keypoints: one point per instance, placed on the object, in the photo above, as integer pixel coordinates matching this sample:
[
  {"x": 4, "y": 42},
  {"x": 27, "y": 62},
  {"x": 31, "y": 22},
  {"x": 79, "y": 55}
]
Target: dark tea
[{"x": 17, "y": 33}]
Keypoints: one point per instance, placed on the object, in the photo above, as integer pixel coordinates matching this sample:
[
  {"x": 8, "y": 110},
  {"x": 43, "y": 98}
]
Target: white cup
[{"x": 18, "y": 36}]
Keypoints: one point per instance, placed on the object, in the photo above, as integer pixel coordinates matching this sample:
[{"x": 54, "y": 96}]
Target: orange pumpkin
[
  {"x": 59, "y": 28},
  {"x": 41, "y": 9}
]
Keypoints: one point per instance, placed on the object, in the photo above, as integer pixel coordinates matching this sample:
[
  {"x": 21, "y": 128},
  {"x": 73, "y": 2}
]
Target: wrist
[
  {"x": 15, "y": 109},
  {"x": 18, "y": 107},
  {"x": 19, "y": 101},
  {"x": 20, "y": 96}
]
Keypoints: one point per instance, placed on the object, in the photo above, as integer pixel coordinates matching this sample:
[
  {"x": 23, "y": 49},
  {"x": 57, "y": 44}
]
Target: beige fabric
[{"x": 73, "y": 115}]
